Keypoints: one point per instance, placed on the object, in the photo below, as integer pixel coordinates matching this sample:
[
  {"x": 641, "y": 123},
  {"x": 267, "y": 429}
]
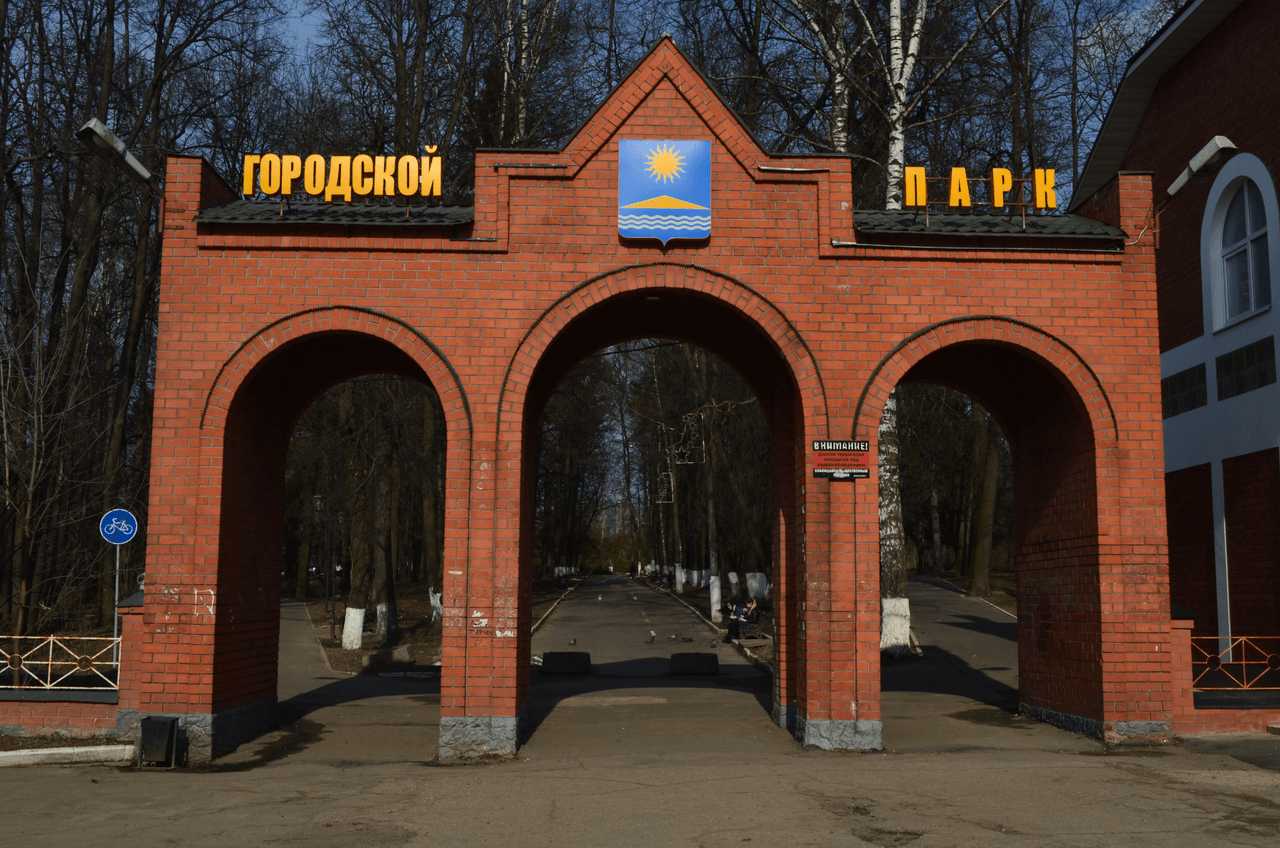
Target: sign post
[{"x": 118, "y": 527}]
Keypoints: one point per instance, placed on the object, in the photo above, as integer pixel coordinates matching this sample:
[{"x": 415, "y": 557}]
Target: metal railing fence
[
  {"x": 1240, "y": 662},
  {"x": 59, "y": 662}
]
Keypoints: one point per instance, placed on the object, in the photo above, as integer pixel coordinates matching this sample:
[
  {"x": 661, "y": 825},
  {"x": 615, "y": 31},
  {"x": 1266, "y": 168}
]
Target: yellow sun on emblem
[{"x": 665, "y": 163}]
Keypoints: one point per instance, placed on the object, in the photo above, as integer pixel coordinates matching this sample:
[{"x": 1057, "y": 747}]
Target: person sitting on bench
[{"x": 741, "y": 614}]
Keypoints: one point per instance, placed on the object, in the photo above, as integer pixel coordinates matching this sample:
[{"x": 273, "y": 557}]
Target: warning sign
[{"x": 841, "y": 460}]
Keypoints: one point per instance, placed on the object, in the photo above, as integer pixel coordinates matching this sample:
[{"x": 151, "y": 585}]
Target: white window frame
[{"x": 1241, "y": 168}]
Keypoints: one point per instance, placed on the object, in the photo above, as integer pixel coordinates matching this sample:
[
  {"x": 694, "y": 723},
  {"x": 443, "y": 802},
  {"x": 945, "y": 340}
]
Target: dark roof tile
[
  {"x": 913, "y": 222},
  {"x": 267, "y": 213}
]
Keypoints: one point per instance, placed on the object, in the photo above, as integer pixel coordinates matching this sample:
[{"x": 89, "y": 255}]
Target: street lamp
[
  {"x": 318, "y": 500},
  {"x": 102, "y": 141}
]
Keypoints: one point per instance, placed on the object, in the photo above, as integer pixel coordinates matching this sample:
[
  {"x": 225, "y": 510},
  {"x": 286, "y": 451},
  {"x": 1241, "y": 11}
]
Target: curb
[
  {"x": 324, "y": 655},
  {"x": 68, "y": 756},
  {"x": 930, "y": 579},
  {"x": 535, "y": 627}
]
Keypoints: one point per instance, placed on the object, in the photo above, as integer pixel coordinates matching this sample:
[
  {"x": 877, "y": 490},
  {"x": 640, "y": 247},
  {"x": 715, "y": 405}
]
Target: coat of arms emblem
[{"x": 664, "y": 189}]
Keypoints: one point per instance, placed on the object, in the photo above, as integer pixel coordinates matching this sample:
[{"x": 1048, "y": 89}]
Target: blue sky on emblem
[{"x": 664, "y": 189}]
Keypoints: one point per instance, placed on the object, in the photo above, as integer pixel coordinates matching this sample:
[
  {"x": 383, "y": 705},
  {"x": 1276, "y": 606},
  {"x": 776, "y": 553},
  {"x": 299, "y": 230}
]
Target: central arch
[{"x": 694, "y": 305}]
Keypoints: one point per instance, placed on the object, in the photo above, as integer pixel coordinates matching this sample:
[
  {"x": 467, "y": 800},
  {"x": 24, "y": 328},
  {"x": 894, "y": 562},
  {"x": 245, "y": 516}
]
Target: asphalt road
[
  {"x": 631, "y": 757},
  {"x": 630, "y": 703}
]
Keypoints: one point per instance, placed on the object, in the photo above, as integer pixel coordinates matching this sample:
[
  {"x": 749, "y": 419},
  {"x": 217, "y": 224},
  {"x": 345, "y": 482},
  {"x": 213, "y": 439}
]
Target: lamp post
[
  {"x": 333, "y": 579},
  {"x": 317, "y": 501},
  {"x": 329, "y": 576},
  {"x": 102, "y": 141}
]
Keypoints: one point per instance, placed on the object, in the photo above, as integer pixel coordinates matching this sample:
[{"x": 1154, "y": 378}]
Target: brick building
[
  {"x": 1051, "y": 325},
  {"x": 1205, "y": 83}
]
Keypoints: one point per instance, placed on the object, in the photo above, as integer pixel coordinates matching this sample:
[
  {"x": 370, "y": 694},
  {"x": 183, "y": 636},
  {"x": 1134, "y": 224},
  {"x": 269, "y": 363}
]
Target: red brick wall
[
  {"x": 65, "y": 718},
  {"x": 1224, "y": 86},
  {"x": 255, "y": 323},
  {"x": 1251, "y": 492},
  {"x": 1192, "y": 570}
]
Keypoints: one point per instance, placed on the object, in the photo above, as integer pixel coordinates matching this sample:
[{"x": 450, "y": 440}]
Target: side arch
[
  {"x": 993, "y": 329},
  {"x": 330, "y": 319},
  {"x": 250, "y": 409}
]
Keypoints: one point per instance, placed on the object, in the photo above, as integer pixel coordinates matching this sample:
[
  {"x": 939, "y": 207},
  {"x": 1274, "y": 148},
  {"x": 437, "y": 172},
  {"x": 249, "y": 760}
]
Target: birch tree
[
  {"x": 891, "y": 37},
  {"x": 895, "y": 608}
]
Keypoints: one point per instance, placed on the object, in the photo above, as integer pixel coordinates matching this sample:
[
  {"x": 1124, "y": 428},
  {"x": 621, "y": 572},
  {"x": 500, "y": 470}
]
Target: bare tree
[{"x": 79, "y": 259}]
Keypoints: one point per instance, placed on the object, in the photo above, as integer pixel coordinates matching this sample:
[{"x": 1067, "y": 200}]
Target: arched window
[
  {"x": 1236, "y": 242},
  {"x": 1246, "y": 269}
]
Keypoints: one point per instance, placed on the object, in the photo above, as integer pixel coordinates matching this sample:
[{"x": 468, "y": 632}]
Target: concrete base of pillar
[
  {"x": 1140, "y": 732},
  {"x": 785, "y": 717},
  {"x": 1111, "y": 731},
  {"x": 464, "y": 738},
  {"x": 204, "y": 736},
  {"x": 831, "y": 735},
  {"x": 1066, "y": 721}
]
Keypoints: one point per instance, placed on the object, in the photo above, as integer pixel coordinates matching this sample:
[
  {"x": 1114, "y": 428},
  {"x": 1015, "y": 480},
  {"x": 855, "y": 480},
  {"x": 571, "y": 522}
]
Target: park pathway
[{"x": 630, "y": 705}]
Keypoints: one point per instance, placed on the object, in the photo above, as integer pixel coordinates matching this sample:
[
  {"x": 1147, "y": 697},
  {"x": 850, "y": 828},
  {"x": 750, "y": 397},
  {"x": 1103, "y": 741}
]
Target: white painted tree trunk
[
  {"x": 733, "y": 584},
  {"x": 353, "y": 628},
  {"x": 717, "y": 614},
  {"x": 895, "y": 627},
  {"x": 437, "y": 605}
]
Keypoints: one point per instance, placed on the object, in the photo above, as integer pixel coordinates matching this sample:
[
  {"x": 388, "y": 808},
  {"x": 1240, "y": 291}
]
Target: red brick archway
[
  {"x": 1076, "y": 622},
  {"x": 822, "y": 308},
  {"x": 234, "y": 551},
  {"x": 745, "y": 330}
]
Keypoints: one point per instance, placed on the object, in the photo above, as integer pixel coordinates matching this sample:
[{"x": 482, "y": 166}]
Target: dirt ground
[{"x": 30, "y": 743}]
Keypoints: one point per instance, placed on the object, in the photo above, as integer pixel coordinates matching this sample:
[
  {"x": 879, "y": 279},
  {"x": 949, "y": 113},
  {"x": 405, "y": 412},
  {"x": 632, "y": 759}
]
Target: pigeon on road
[
  {"x": 687, "y": 639},
  {"x": 713, "y": 643},
  {"x": 673, "y": 637},
  {"x": 573, "y": 641},
  {"x": 649, "y": 641}
]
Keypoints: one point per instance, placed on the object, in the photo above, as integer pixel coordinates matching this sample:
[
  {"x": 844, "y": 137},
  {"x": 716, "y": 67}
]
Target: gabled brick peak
[{"x": 664, "y": 63}]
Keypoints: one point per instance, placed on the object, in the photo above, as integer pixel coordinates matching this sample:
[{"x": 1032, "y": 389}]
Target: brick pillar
[{"x": 1184, "y": 706}]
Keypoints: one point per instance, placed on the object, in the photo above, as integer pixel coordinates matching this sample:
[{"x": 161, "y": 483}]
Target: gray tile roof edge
[
  {"x": 950, "y": 225},
  {"x": 258, "y": 213},
  {"x": 266, "y": 214}
]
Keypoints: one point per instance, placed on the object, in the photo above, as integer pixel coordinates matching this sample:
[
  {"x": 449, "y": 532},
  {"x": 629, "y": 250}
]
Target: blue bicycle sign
[{"x": 118, "y": 526}]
